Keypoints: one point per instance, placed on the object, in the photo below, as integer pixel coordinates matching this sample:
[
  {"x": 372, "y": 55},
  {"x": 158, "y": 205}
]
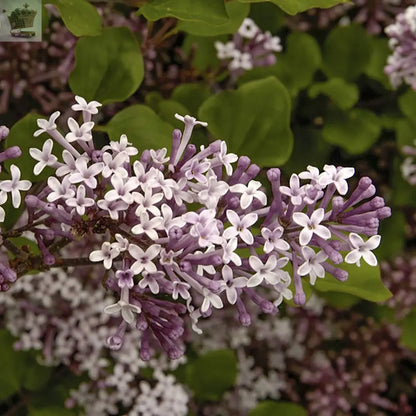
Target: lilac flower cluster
[
  {"x": 401, "y": 64},
  {"x": 250, "y": 47},
  {"x": 408, "y": 167},
  {"x": 195, "y": 227}
]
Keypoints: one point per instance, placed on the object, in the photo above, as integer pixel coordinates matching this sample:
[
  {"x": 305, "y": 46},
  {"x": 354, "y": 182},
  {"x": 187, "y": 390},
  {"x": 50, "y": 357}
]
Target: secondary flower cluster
[
  {"x": 401, "y": 65},
  {"x": 408, "y": 167},
  {"x": 184, "y": 234},
  {"x": 374, "y": 15},
  {"x": 250, "y": 47}
]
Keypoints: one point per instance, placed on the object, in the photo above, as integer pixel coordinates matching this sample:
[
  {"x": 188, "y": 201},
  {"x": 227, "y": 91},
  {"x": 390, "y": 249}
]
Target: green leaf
[
  {"x": 271, "y": 408},
  {"x": 296, "y": 67},
  {"x": 296, "y": 6},
  {"x": 202, "y": 51},
  {"x": 393, "y": 232},
  {"x": 299, "y": 63},
  {"x": 211, "y": 374},
  {"x": 21, "y": 134},
  {"x": 51, "y": 411},
  {"x": 212, "y": 11},
  {"x": 267, "y": 16},
  {"x": 407, "y": 105},
  {"x": 191, "y": 96},
  {"x": 342, "y": 94},
  {"x": 167, "y": 110},
  {"x": 346, "y": 52},
  {"x": 380, "y": 50},
  {"x": 254, "y": 120},
  {"x": 108, "y": 67},
  {"x": 363, "y": 281},
  {"x": 408, "y": 338},
  {"x": 355, "y": 130},
  {"x": 9, "y": 362},
  {"x": 236, "y": 12},
  {"x": 405, "y": 133},
  {"x": 339, "y": 300},
  {"x": 144, "y": 128},
  {"x": 79, "y": 16}
]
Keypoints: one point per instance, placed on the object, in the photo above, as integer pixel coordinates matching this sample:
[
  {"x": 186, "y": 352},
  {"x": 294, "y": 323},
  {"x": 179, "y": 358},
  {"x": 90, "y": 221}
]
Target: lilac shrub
[
  {"x": 185, "y": 234},
  {"x": 401, "y": 64},
  {"x": 332, "y": 362},
  {"x": 42, "y": 312},
  {"x": 374, "y": 15}
]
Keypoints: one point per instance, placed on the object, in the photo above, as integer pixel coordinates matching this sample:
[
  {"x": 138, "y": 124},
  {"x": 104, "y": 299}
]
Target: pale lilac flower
[
  {"x": 313, "y": 264},
  {"x": 225, "y": 50},
  {"x": 63, "y": 189},
  {"x": 210, "y": 299},
  {"x": 229, "y": 254},
  {"x": 113, "y": 207},
  {"x": 273, "y": 240},
  {"x": 312, "y": 173},
  {"x": 122, "y": 146},
  {"x": 226, "y": 158},
  {"x": 248, "y": 28},
  {"x": 85, "y": 173},
  {"x": 147, "y": 201},
  {"x": 79, "y": 132},
  {"x": 114, "y": 165},
  {"x": 127, "y": 309},
  {"x": 241, "y": 61},
  {"x": 122, "y": 189},
  {"x": 182, "y": 289},
  {"x": 143, "y": 258},
  {"x": 15, "y": 185},
  {"x": 196, "y": 170},
  {"x": 362, "y": 249},
  {"x": 168, "y": 220},
  {"x": 149, "y": 280},
  {"x": 240, "y": 226},
  {"x": 265, "y": 271},
  {"x": 82, "y": 105},
  {"x": 211, "y": 191},
  {"x": 44, "y": 156},
  {"x": 295, "y": 191},
  {"x": 47, "y": 125},
  {"x": 249, "y": 192},
  {"x": 121, "y": 243},
  {"x": 311, "y": 226},
  {"x": 80, "y": 202},
  {"x": 230, "y": 284},
  {"x": 69, "y": 164},
  {"x": 337, "y": 176},
  {"x": 148, "y": 226},
  {"x": 159, "y": 156},
  {"x": 107, "y": 254}
]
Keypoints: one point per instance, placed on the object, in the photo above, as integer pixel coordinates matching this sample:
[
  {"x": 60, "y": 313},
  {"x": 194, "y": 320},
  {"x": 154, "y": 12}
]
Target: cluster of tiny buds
[
  {"x": 195, "y": 226},
  {"x": 401, "y": 64},
  {"x": 250, "y": 47}
]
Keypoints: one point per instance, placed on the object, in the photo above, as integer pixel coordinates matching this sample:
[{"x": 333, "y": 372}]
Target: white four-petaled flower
[
  {"x": 362, "y": 249},
  {"x": 15, "y": 185},
  {"x": 311, "y": 226}
]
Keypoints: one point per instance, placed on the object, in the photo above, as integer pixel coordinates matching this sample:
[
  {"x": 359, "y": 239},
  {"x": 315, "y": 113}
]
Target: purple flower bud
[
  {"x": 4, "y": 132},
  {"x": 97, "y": 156}
]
